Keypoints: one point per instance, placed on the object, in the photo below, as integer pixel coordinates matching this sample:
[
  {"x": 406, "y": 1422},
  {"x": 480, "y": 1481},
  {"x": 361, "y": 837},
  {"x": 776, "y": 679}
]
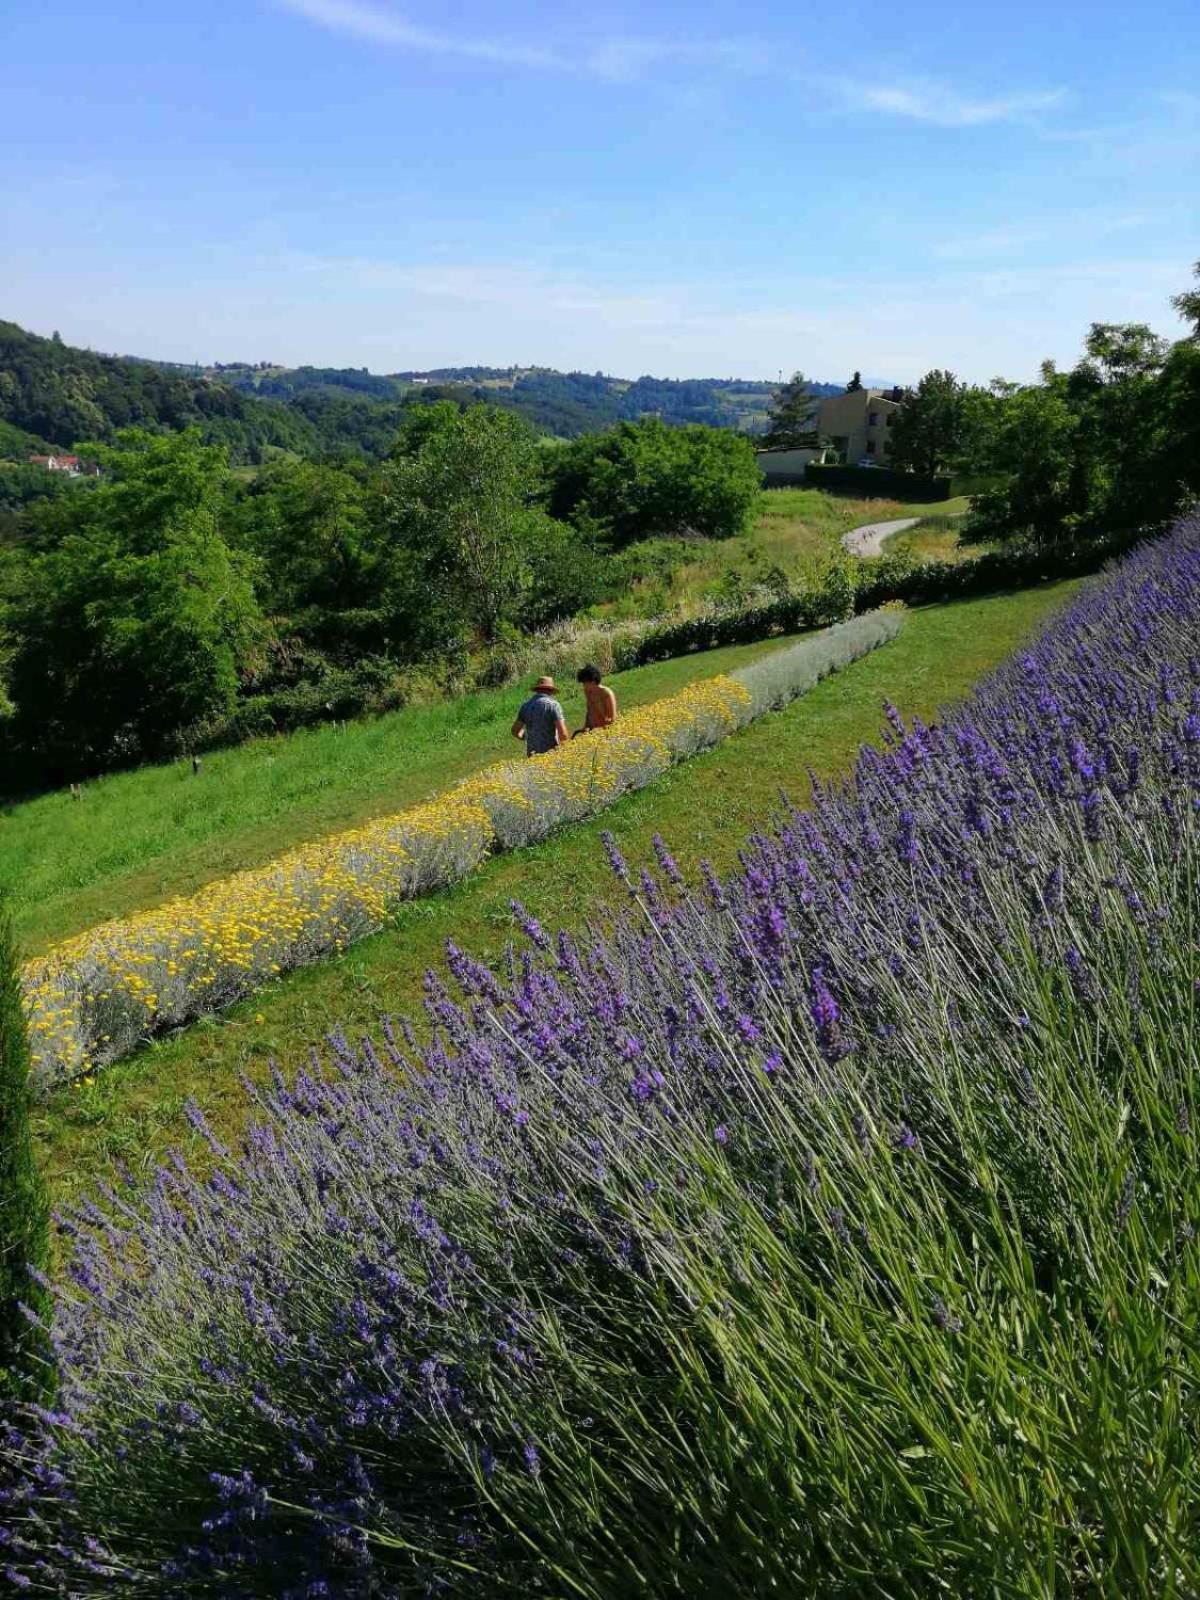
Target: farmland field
[{"x": 139, "y": 838}]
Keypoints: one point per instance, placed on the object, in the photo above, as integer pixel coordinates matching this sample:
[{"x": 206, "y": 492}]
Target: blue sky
[{"x": 683, "y": 189}]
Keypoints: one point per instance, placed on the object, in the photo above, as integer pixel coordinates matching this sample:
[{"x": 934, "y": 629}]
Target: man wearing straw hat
[{"x": 540, "y": 721}]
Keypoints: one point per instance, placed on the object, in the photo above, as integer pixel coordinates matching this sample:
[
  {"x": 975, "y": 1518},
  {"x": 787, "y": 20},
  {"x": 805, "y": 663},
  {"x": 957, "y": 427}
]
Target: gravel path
[{"x": 868, "y": 540}]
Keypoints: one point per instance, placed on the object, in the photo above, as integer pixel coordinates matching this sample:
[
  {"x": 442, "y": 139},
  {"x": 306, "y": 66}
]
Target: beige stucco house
[
  {"x": 856, "y": 423},
  {"x": 782, "y": 466}
]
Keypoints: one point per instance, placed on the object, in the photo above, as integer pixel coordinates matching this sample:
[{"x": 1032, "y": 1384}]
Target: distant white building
[{"x": 73, "y": 466}]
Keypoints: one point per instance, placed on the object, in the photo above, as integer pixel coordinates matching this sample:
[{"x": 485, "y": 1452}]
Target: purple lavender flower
[{"x": 827, "y": 1019}]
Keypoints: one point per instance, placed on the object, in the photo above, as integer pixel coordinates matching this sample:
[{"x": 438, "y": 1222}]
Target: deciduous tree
[
  {"x": 927, "y": 433},
  {"x": 643, "y": 478},
  {"x": 1188, "y": 304},
  {"x": 134, "y": 616},
  {"x": 461, "y": 509}
]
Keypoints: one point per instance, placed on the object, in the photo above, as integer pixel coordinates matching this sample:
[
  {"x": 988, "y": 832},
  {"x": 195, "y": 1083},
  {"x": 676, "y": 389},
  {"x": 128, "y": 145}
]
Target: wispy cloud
[
  {"x": 628, "y": 58},
  {"x": 386, "y": 27},
  {"x": 934, "y": 103},
  {"x": 617, "y": 58},
  {"x": 686, "y": 325}
]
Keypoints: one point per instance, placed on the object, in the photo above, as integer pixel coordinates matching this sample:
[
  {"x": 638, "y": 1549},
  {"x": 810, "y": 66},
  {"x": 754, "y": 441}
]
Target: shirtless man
[{"x": 601, "y": 702}]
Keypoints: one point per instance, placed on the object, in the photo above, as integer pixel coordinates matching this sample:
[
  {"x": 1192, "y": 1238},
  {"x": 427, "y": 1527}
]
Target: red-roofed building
[{"x": 62, "y": 462}]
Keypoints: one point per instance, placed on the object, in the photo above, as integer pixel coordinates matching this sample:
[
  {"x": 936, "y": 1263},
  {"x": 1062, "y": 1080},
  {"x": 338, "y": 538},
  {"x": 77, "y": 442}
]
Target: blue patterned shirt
[{"x": 541, "y": 715}]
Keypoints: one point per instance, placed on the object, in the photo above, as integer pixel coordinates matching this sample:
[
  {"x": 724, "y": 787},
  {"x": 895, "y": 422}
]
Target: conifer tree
[
  {"x": 23, "y": 1212},
  {"x": 791, "y": 412}
]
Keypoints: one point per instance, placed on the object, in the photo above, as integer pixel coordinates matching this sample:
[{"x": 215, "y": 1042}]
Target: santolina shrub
[
  {"x": 830, "y": 1231},
  {"x": 93, "y": 998}
]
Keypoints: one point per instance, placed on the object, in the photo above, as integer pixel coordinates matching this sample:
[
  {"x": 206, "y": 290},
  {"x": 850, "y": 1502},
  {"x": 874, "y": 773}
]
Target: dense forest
[
  {"x": 566, "y": 404},
  {"x": 64, "y": 395}
]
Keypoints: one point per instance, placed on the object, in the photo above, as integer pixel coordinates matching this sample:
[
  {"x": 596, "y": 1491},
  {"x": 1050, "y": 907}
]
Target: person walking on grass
[
  {"x": 540, "y": 721},
  {"x": 601, "y": 701}
]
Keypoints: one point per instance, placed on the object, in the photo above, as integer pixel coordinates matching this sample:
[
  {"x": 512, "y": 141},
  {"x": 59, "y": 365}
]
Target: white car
[{"x": 867, "y": 461}]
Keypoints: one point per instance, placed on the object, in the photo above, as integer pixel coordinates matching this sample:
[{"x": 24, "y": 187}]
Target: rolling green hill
[{"x": 63, "y": 396}]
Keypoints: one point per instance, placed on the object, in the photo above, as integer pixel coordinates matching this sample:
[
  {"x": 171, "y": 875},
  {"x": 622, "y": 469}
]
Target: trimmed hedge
[
  {"x": 874, "y": 583},
  {"x": 881, "y": 481}
]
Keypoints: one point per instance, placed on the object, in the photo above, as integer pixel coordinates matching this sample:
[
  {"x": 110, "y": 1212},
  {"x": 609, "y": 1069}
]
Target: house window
[
  {"x": 870, "y": 447},
  {"x": 872, "y": 419},
  {"x": 888, "y": 420}
]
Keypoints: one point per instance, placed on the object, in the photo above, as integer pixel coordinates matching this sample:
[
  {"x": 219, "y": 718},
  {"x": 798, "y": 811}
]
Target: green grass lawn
[
  {"x": 935, "y": 538},
  {"x": 795, "y": 531},
  {"x": 133, "y": 1110},
  {"x": 138, "y": 838}
]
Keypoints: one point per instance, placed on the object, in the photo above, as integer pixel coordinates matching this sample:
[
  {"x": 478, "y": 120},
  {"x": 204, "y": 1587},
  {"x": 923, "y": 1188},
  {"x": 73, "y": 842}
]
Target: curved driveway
[{"x": 868, "y": 540}]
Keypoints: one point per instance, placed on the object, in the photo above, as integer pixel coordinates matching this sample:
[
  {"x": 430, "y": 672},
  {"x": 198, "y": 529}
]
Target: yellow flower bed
[
  {"x": 95, "y": 997},
  {"x": 528, "y": 799}
]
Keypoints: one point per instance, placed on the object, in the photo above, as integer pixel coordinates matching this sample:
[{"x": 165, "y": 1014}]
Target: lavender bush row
[
  {"x": 826, "y": 1232},
  {"x": 777, "y": 679}
]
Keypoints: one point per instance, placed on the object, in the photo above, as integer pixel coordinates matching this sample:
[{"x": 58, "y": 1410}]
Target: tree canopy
[
  {"x": 133, "y": 617},
  {"x": 643, "y": 478},
  {"x": 928, "y": 431}
]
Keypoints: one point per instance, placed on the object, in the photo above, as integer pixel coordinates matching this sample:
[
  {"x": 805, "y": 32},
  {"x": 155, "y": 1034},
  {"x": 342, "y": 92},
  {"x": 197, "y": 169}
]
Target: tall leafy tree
[
  {"x": 24, "y": 1217},
  {"x": 792, "y": 411},
  {"x": 306, "y": 521},
  {"x": 643, "y": 478},
  {"x": 855, "y": 384},
  {"x": 462, "y": 513},
  {"x": 1037, "y": 449},
  {"x": 1102, "y": 448},
  {"x": 927, "y": 434},
  {"x": 1188, "y": 304},
  {"x": 134, "y": 617}
]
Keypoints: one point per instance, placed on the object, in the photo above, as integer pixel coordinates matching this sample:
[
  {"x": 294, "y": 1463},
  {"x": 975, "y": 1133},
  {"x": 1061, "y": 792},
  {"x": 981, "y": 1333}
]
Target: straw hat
[{"x": 544, "y": 686}]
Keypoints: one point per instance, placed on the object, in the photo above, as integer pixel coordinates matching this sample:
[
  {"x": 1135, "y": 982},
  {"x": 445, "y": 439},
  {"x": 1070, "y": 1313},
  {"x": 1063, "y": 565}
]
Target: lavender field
[{"x": 827, "y": 1231}]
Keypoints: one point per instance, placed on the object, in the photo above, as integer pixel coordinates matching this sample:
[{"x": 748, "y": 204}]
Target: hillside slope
[{"x": 66, "y": 395}]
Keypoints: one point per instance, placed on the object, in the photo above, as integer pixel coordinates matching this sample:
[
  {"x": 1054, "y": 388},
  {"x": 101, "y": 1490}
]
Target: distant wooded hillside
[
  {"x": 63, "y": 395},
  {"x": 563, "y": 403}
]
